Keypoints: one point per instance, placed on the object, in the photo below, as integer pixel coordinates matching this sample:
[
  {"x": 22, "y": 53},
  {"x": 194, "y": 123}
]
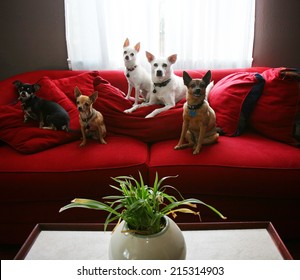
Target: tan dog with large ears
[
  {"x": 199, "y": 119},
  {"x": 91, "y": 120}
]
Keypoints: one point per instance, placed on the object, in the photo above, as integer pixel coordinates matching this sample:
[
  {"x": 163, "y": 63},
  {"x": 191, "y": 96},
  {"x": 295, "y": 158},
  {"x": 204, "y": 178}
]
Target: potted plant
[{"x": 141, "y": 213}]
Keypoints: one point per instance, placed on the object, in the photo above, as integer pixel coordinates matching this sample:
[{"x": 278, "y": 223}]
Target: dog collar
[
  {"x": 88, "y": 118},
  {"x": 163, "y": 84},
  {"x": 193, "y": 108},
  {"x": 130, "y": 70}
]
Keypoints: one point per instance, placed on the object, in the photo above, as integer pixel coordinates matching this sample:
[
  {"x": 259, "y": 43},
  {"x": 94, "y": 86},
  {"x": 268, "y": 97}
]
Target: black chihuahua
[{"x": 49, "y": 114}]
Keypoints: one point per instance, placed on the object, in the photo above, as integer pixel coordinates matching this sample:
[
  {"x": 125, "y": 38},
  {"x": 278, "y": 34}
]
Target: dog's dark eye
[
  {"x": 193, "y": 85},
  {"x": 77, "y": 102},
  {"x": 125, "y": 52},
  {"x": 132, "y": 54},
  {"x": 165, "y": 65},
  {"x": 86, "y": 104},
  {"x": 155, "y": 65},
  {"x": 202, "y": 85}
]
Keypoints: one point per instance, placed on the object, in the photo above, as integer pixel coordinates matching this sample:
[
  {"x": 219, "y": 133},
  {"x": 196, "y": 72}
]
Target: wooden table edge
[{"x": 183, "y": 226}]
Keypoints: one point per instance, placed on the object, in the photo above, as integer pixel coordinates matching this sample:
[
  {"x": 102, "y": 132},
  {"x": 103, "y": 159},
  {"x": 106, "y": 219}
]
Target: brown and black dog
[{"x": 199, "y": 119}]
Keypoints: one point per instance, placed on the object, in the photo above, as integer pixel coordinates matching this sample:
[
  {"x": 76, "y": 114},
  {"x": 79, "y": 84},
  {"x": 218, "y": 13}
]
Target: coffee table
[{"x": 206, "y": 241}]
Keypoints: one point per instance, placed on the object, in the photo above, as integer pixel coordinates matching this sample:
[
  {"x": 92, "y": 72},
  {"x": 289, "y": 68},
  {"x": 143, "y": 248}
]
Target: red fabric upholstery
[
  {"x": 233, "y": 98},
  {"x": 28, "y": 137},
  {"x": 246, "y": 165},
  {"x": 277, "y": 114},
  {"x": 69, "y": 170},
  {"x": 111, "y": 103},
  {"x": 84, "y": 81}
]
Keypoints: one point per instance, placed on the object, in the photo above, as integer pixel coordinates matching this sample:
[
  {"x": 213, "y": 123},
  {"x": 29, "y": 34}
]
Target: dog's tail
[
  {"x": 220, "y": 131},
  {"x": 70, "y": 130},
  {"x": 66, "y": 128}
]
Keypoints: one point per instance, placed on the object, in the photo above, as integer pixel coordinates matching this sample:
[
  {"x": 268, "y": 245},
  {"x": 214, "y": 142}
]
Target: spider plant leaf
[
  {"x": 197, "y": 201},
  {"x": 113, "y": 197},
  {"x": 116, "y": 188},
  {"x": 79, "y": 205},
  {"x": 88, "y": 203},
  {"x": 184, "y": 210},
  {"x": 163, "y": 179}
]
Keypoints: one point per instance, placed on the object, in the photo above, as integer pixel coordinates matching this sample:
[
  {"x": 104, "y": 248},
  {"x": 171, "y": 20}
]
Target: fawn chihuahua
[{"x": 91, "y": 121}]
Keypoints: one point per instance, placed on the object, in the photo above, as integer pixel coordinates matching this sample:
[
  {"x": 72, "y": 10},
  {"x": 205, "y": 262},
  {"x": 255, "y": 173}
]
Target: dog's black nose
[
  {"x": 159, "y": 73},
  {"x": 127, "y": 57}
]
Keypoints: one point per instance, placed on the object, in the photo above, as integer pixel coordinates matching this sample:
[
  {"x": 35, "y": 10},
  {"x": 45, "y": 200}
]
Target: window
[{"x": 205, "y": 34}]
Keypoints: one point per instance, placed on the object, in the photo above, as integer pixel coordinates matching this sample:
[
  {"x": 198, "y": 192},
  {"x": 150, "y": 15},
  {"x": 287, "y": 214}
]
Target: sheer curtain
[{"x": 207, "y": 34}]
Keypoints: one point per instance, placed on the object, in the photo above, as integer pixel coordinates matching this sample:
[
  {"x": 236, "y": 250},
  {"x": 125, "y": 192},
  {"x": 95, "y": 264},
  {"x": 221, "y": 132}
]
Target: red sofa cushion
[
  {"x": 111, "y": 103},
  {"x": 83, "y": 80},
  {"x": 277, "y": 113},
  {"x": 69, "y": 171},
  {"x": 28, "y": 137},
  {"x": 233, "y": 98},
  {"x": 250, "y": 165}
]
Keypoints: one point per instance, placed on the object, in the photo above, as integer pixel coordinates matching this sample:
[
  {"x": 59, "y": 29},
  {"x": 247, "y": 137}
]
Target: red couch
[{"x": 248, "y": 175}]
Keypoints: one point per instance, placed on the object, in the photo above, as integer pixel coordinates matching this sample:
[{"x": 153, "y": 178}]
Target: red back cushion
[
  {"x": 28, "y": 137},
  {"x": 111, "y": 103},
  {"x": 233, "y": 99},
  {"x": 84, "y": 81},
  {"x": 277, "y": 113}
]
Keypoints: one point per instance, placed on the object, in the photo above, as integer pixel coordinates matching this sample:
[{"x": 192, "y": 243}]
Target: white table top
[{"x": 231, "y": 244}]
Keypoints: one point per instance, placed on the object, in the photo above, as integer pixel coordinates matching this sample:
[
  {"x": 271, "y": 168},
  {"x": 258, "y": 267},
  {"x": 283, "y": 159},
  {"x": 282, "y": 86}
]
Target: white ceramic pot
[{"x": 168, "y": 244}]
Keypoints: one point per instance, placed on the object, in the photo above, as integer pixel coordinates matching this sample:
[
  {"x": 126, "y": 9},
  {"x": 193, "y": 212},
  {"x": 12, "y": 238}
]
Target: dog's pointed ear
[
  {"x": 137, "y": 46},
  {"x": 17, "y": 83},
  {"x": 77, "y": 92},
  {"x": 94, "y": 96},
  {"x": 36, "y": 87},
  {"x": 186, "y": 78},
  {"x": 126, "y": 43},
  {"x": 172, "y": 58},
  {"x": 150, "y": 56},
  {"x": 207, "y": 77}
]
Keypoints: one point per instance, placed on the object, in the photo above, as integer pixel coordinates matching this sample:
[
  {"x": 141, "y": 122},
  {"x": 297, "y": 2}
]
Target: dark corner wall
[
  {"x": 277, "y": 33},
  {"x": 32, "y": 35}
]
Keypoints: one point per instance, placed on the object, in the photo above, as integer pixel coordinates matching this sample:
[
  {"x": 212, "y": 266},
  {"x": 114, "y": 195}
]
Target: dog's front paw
[
  {"x": 102, "y": 141},
  {"x": 151, "y": 115},
  {"x": 178, "y": 147},
  {"x": 132, "y": 109},
  {"x": 82, "y": 144},
  {"x": 196, "y": 151}
]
